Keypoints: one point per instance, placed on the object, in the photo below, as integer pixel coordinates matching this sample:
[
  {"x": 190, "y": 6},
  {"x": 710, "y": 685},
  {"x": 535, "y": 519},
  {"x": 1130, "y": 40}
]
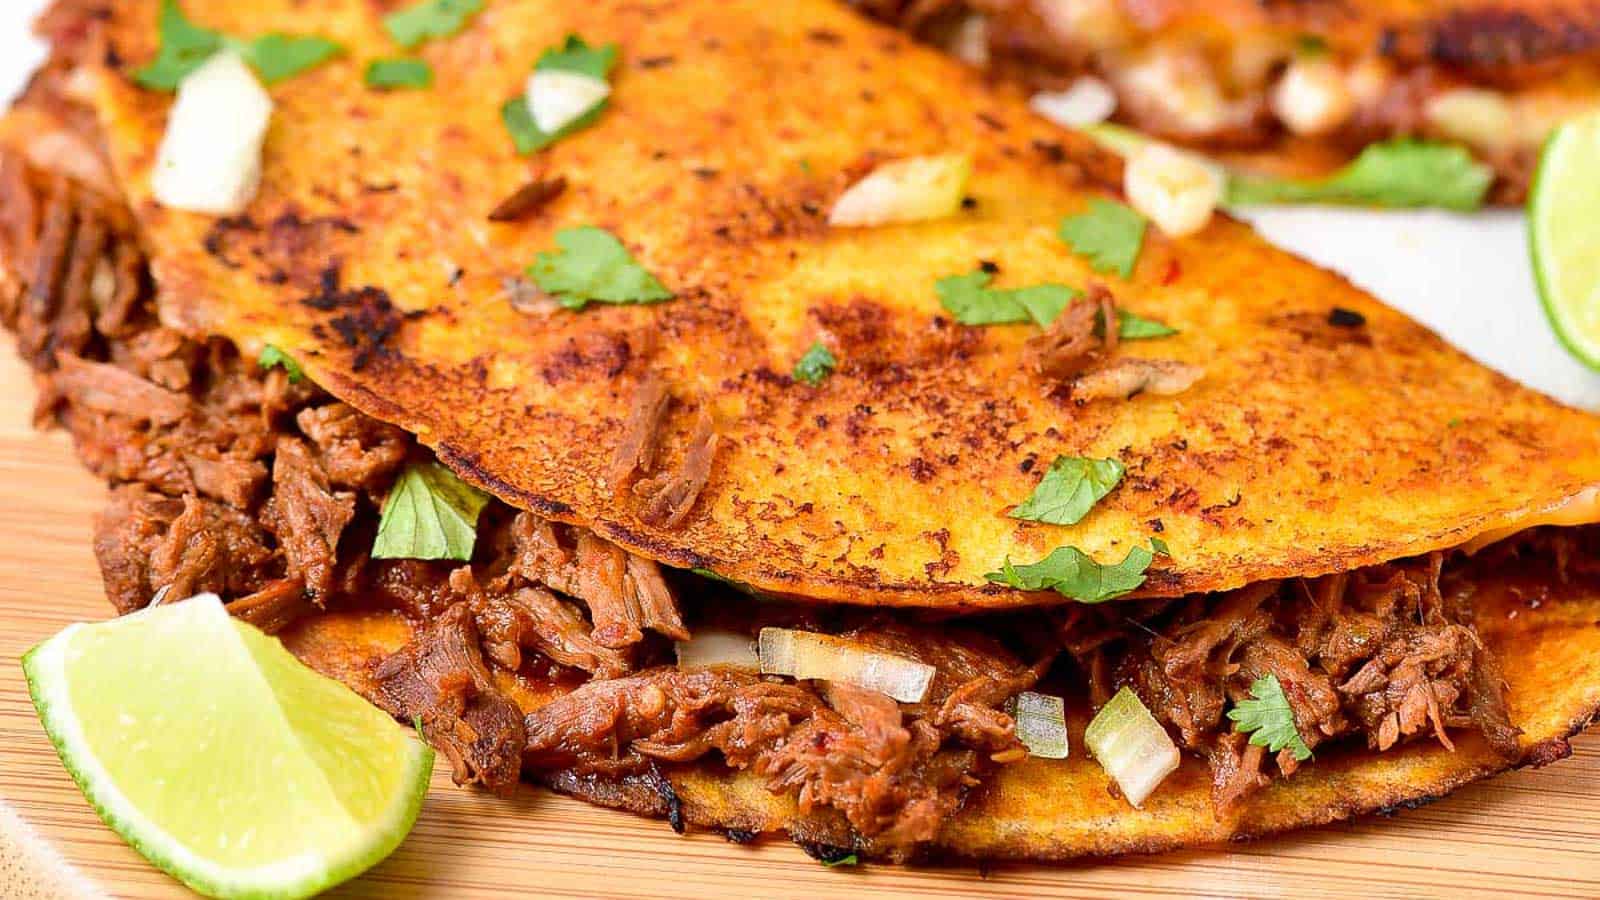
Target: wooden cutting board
[{"x": 1532, "y": 833}]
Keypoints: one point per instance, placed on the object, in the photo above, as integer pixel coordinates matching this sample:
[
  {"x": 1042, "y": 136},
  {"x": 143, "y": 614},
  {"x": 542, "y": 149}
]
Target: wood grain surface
[{"x": 1531, "y": 833}]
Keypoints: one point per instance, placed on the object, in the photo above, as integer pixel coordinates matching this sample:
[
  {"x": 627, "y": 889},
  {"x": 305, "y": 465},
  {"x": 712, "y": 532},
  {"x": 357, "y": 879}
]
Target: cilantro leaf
[
  {"x": 429, "y": 19},
  {"x": 1267, "y": 717},
  {"x": 1069, "y": 489},
  {"x": 272, "y": 356},
  {"x": 594, "y": 266},
  {"x": 1131, "y": 327},
  {"x": 388, "y": 74},
  {"x": 572, "y": 56},
  {"x": 1400, "y": 172},
  {"x": 815, "y": 365},
  {"x": 1109, "y": 233},
  {"x": 1074, "y": 574},
  {"x": 849, "y": 859},
  {"x": 972, "y": 302},
  {"x": 279, "y": 56},
  {"x": 185, "y": 46},
  {"x": 577, "y": 56},
  {"x": 1160, "y": 547},
  {"x": 429, "y": 514}
]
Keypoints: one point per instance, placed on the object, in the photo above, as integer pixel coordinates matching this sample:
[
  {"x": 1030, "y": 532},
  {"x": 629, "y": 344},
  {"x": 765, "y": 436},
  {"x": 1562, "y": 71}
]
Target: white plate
[{"x": 1466, "y": 277}]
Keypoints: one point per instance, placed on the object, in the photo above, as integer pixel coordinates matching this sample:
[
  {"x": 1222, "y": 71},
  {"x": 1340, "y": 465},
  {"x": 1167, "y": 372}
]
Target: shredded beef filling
[
  {"x": 1387, "y": 653},
  {"x": 894, "y": 771}
]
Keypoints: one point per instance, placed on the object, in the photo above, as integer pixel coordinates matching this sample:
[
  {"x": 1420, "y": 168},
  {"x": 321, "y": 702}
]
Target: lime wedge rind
[
  {"x": 1564, "y": 236},
  {"x": 303, "y": 875}
]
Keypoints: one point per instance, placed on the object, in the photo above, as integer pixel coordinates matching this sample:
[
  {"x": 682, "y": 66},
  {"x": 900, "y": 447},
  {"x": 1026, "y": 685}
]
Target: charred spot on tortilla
[{"x": 1340, "y": 317}]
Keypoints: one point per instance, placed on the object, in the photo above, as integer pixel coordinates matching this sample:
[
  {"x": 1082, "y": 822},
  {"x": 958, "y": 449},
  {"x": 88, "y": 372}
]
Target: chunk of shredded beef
[
  {"x": 1076, "y": 338},
  {"x": 356, "y": 450},
  {"x": 626, "y": 594},
  {"x": 514, "y": 616},
  {"x": 441, "y": 681},
  {"x": 670, "y": 495},
  {"x": 637, "y": 451},
  {"x": 307, "y": 516},
  {"x": 1383, "y": 652},
  {"x": 275, "y": 606}
]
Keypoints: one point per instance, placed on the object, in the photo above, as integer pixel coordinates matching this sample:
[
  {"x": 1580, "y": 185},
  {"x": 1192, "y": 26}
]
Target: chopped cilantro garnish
[
  {"x": 1160, "y": 547},
  {"x": 972, "y": 302},
  {"x": 1069, "y": 489},
  {"x": 1131, "y": 327},
  {"x": 186, "y": 46},
  {"x": 1267, "y": 717},
  {"x": 429, "y": 514},
  {"x": 1109, "y": 234},
  {"x": 388, "y": 74},
  {"x": 1074, "y": 574},
  {"x": 276, "y": 57},
  {"x": 1400, "y": 172},
  {"x": 594, "y": 266},
  {"x": 429, "y": 19},
  {"x": 849, "y": 859},
  {"x": 817, "y": 363},
  {"x": 572, "y": 56},
  {"x": 575, "y": 55},
  {"x": 272, "y": 356}
]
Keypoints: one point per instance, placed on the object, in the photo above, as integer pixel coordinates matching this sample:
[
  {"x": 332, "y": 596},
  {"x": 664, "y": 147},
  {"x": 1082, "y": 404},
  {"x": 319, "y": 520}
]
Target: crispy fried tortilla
[
  {"x": 1491, "y": 75},
  {"x": 1306, "y": 447},
  {"x": 1398, "y": 537}
]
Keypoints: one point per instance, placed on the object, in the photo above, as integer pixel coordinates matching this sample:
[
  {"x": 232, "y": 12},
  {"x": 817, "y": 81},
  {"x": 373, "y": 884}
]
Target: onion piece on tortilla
[
  {"x": 806, "y": 654},
  {"x": 1041, "y": 724},
  {"x": 1131, "y": 746},
  {"x": 557, "y": 98},
  {"x": 210, "y": 156},
  {"x": 906, "y": 190}
]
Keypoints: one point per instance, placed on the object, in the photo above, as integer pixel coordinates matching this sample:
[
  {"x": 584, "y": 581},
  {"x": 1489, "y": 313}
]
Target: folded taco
[{"x": 741, "y": 414}]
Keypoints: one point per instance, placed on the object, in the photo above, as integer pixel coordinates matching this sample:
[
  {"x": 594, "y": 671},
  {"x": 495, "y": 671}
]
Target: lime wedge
[
  {"x": 220, "y": 757},
  {"x": 1564, "y": 235}
]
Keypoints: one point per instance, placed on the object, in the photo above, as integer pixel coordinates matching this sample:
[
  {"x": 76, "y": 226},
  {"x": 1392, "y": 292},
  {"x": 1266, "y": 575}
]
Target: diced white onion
[
  {"x": 1312, "y": 97},
  {"x": 1041, "y": 724},
  {"x": 1089, "y": 101},
  {"x": 210, "y": 156},
  {"x": 710, "y": 648},
  {"x": 1131, "y": 746},
  {"x": 806, "y": 654},
  {"x": 1478, "y": 117},
  {"x": 906, "y": 190},
  {"x": 1175, "y": 190},
  {"x": 556, "y": 98}
]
